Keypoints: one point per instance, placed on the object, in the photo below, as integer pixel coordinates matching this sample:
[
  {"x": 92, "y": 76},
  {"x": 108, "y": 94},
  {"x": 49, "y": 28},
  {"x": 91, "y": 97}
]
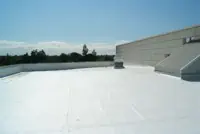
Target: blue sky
[{"x": 94, "y": 22}]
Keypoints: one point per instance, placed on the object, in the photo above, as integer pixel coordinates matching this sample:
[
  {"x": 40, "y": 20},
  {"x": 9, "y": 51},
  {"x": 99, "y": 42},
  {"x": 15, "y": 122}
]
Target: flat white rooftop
[{"x": 134, "y": 100}]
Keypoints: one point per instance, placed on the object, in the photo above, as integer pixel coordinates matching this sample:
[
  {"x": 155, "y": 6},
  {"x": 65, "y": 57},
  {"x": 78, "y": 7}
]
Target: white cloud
[{"x": 54, "y": 47}]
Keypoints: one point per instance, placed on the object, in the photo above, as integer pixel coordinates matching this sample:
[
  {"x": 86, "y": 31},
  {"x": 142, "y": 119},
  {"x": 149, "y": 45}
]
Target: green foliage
[
  {"x": 85, "y": 50},
  {"x": 75, "y": 57},
  {"x": 38, "y": 56},
  {"x": 41, "y": 57},
  {"x": 94, "y": 52}
]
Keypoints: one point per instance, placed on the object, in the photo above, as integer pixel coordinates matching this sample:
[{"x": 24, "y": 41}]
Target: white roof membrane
[{"x": 98, "y": 101}]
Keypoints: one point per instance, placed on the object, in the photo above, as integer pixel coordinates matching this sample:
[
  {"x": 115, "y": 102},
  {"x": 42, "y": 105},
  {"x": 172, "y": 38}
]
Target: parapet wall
[
  {"x": 9, "y": 70},
  {"x": 178, "y": 59},
  {"x": 12, "y": 69},
  {"x": 191, "y": 71}
]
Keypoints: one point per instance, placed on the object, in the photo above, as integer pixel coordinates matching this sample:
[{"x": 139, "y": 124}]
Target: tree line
[{"x": 39, "y": 56}]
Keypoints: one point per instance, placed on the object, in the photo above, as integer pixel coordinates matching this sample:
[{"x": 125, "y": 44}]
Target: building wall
[
  {"x": 180, "y": 59},
  {"x": 152, "y": 50}
]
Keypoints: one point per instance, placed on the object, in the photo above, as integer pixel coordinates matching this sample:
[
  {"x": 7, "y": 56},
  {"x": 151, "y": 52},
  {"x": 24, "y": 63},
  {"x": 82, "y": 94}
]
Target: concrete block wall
[
  {"x": 148, "y": 54},
  {"x": 63, "y": 66},
  {"x": 12, "y": 69},
  {"x": 9, "y": 70}
]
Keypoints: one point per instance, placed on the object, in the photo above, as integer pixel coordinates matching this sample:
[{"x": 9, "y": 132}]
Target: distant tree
[
  {"x": 64, "y": 57},
  {"x": 38, "y": 56},
  {"x": 85, "y": 50},
  {"x": 7, "y": 59},
  {"x": 25, "y": 58},
  {"x": 26, "y": 55},
  {"x": 105, "y": 57},
  {"x": 41, "y": 53},
  {"x": 41, "y": 56},
  {"x": 90, "y": 57},
  {"x": 53, "y": 59},
  {"x": 94, "y": 53},
  {"x": 34, "y": 56},
  {"x": 109, "y": 57},
  {"x": 34, "y": 53},
  {"x": 75, "y": 57}
]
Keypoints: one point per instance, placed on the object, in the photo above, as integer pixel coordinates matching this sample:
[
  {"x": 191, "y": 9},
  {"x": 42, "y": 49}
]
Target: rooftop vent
[{"x": 119, "y": 64}]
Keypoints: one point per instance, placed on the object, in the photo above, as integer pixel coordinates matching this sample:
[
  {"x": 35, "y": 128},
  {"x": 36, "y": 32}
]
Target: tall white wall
[
  {"x": 152, "y": 50},
  {"x": 147, "y": 54}
]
